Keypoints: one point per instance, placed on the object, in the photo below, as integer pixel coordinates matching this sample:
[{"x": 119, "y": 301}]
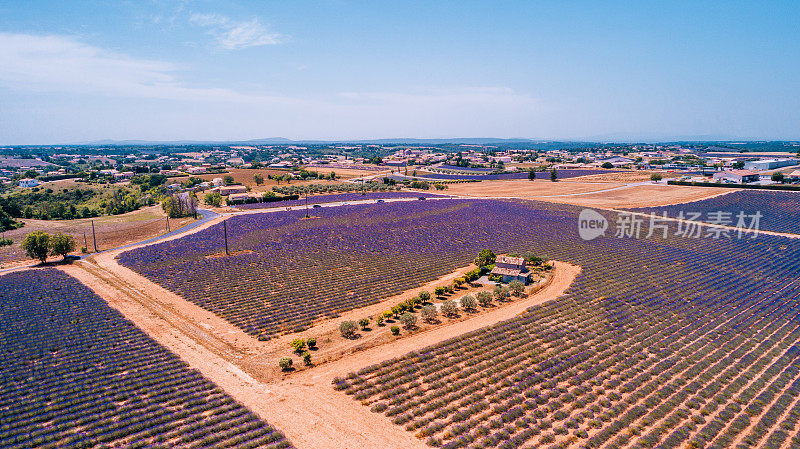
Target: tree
[
  {"x": 655, "y": 177},
  {"x": 307, "y": 358},
  {"x": 532, "y": 175},
  {"x": 553, "y": 175},
  {"x": 298, "y": 344},
  {"x": 449, "y": 308},
  {"x": 439, "y": 291},
  {"x": 607, "y": 165},
  {"x": 517, "y": 287},
  {"x": 468, "y": 302},
  {"x": 61, "y": 245},
  {"x": 777, "y": 176},
  {"x": 347, "y": 329},
  {"x": 285, "y": 363},
  {"x": 408, "y": 320},
  {"x": 363, "y": 322},
  {"x": 311, "y": 342},
  {"x": 379, "y": 320},
  {"x": 484, "y": 298},
  {"x": 37, "y": 245},
  {"x": 395, "y": 330},
  {"x": 429, "y": 313},
  {"x": 424, "y": 296},
  {"x": 258, "y": 178},
  {"x": 485, "y": 258},
  {"x": 227, "y": 180},
  {"x": 213, "y": 199}
]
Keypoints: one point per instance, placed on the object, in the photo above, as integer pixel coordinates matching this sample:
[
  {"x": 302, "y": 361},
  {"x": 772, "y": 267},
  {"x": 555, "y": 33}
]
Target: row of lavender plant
[
  {"x": 76, "y": 373},
  {"x": 338, "y": 197}
]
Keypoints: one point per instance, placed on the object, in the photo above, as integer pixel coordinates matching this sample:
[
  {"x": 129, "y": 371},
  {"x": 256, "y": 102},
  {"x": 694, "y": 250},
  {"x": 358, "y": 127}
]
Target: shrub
[
  {"x": 424, "y": 296},
  {"x": 408, "y": 320},
  {"x": 449, "y": 308},
  {"x": 379, "y": 320},
  {"x": 484, "y": 298},
  {"x": 298, "y": 344},
  {"x": 311, "y": 342},
  {"x": 516, "y": 287},
  {"x": 307, "y": 358},
  {"x": 285, "y": 363},
  {"x": 395, "y": 330},
  {"x": 501, "y": 292},
  {"x": 429, "y": 313},
  {"x": 468, "y": 302},
  {"x": 363, "y": 322},
  {"x": 347, "y": 329},
  {"x": 439, "y": 291}
]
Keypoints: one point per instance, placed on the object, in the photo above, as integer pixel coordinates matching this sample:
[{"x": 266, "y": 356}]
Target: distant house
[
  {"x": 769, "y": 164},
  {"x": 196, "y": 170},
  {"x": 217, "y": 182},
  {"x": 736, "y": 176},
  {"x": 237, "y": 198},
  {"x": 27, "y": 183},
  {"x": 224, "y": 191},
  {"x": 615, "y": 161},
  {"x": 235, "y": 161},
  {"x": 511, "y": 269}
]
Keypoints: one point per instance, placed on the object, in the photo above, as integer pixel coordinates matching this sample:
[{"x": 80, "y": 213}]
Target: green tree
[
  {"x": 429, "y": 313},
  {"x": 485, "y": 258},
  {"x": 449, "y": 308},
  {"x": 439, "y": 291},
  {"x": 655, "y": 177},
  {"x": 61, "y": 245},
  {"x": 395, "y": 330},
  {"x": 364, "y": 323},
  {"x": 213, "y": 199},
  {"x": 379, "y": 320},
  {"x": 311, "y": 342},
  {"x": 258, "y": 178},
  {"x": 227, "y": 180},
  {"x": 517, "y": 287},
  {"x": 484, "y": 298},
  {"x": 532, "y": 174},
  {"x": 553, "y": 175},
  {"x": 37, "y": 245},
  {"x": 607, "y": 165},
  {"x": 408, "y": 320},
  {"x": 777, "y": 176},
  {"x": 298, "y": 344},
  {"x": 424, "y": 296},
  {"x": 468, "y": 302},
  {"x": 285, "y": 363},
  {"x": 347, "y": 329},
  {"x": 307, "y": 358}
]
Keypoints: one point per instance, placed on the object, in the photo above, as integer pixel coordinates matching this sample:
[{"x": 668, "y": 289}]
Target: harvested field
[
  {"x": 111, "y": 231},
  {"x": 524, "y": 189},
  {"x": 649, "y": 195}
]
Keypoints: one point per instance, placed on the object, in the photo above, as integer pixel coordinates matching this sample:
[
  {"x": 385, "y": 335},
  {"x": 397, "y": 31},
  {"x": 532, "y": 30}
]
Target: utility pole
[
  {"x": 94, "y": 237},
  {"x": 306, "y": 203},
  {"x": 225, "y": 227},
  {"x": 85, "y": 243},
  {"x": 168, "y": 230}
]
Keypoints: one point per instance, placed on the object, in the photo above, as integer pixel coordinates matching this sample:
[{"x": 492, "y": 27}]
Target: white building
[
  {"x": 28, "y": 183},
  {"x": 769, "y": 164}
]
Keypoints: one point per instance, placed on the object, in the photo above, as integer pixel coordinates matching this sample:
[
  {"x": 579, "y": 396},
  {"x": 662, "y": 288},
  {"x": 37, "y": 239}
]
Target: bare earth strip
[{"x": 302, "y": 405}]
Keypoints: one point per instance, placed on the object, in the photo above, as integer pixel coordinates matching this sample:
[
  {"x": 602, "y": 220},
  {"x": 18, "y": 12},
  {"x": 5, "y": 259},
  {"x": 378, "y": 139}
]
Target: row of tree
[{"x": 39, "y": 245}]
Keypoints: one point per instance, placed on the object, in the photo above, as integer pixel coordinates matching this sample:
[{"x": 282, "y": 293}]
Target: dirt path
[{"x": 302, "y": 405}]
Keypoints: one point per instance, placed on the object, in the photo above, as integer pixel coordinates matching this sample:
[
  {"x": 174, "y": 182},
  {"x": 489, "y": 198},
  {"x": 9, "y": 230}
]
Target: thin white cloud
[
  {"x": 233, "y": 35},
  {"x": 55, "y": 63}
]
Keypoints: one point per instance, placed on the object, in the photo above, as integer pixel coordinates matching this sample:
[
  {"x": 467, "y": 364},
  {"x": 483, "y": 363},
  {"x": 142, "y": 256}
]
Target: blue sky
[{"x": 162, "y": 70}]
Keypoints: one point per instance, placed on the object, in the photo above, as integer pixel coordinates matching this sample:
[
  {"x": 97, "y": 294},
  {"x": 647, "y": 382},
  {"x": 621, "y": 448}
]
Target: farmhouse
[
  {"x": 224, "y": 191},
  {"x": 736, "y": 176},
  {"x": 511, "y": 269},
  {"x": 28, "y": 183}
]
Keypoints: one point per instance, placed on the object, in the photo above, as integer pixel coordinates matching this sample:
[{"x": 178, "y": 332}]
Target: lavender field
[
  {"x": 76, "y": 373},
  {"x": 562, "y": 174},
  {"x": 780, "y": 210},
  {"x": 337, "y": 197},
  {"x": 687, "y": 341}
]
